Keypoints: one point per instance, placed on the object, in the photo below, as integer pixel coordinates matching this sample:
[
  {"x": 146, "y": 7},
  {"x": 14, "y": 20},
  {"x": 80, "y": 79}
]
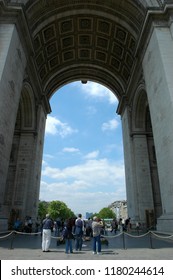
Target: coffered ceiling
[{"x": 86, "y": 40}]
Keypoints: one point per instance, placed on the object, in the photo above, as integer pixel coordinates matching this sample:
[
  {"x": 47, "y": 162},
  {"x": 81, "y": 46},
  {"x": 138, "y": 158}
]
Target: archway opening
[{"x": 83, "y": 161}]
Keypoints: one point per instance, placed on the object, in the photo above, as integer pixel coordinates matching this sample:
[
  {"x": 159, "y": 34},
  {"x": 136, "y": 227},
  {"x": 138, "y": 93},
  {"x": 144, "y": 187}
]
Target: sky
[{"x": 83, "y": 161}]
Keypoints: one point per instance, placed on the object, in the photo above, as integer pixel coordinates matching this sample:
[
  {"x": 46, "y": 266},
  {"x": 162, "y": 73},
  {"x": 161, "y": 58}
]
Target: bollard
[
  {"x": 12, "y": 240},
  {"x": 151, "y": 241},
  {"x": 124, "y": 246}
]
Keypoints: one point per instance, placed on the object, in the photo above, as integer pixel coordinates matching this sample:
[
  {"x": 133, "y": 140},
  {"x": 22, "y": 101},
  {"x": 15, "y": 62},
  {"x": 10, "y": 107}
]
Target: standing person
[
  {"x": 97, "y": 225},
  {"x": 114, "y": 225},
  {"x": 120, "y": 225},
  {"x": 79, "y": 227},
  {"x": 88, "y": 228},
  {"x": 17, "y": 225},
  {"x": 68, "y": 236},
  {"x": 58, "y": 221},
  {"x": 47, "y": 225},
  {"x": 30, "y": 224},
  {"x": 128, "y": 224}
]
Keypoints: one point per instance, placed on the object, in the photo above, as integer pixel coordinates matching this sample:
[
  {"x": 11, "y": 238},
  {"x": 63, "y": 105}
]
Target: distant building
[
  {"x": 119, "y": 208},
  {"x": 88, "y": 215}
]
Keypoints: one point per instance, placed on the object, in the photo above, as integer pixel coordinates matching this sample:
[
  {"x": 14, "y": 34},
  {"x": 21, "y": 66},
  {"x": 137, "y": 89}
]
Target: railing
[{"x": 11, "y": 235}]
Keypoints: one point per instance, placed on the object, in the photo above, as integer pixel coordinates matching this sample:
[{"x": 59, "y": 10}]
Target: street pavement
[{"x": 147, "y": 246}]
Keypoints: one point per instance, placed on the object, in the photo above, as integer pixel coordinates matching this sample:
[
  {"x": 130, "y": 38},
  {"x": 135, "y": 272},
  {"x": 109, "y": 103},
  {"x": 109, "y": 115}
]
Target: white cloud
[
  {"x": 70, "y": 150},
  {"x": 97, "y": 91},
  {"x": 44, "y": 163},
  {"x": 101, "y": 171},
  {"x": 110, "y": 125},
  {"x": 78, "y": 198},
  {"x": 85, "y": 187},
  {"x": 56, "y": 127},
  {"x": 92, "y": 155}
]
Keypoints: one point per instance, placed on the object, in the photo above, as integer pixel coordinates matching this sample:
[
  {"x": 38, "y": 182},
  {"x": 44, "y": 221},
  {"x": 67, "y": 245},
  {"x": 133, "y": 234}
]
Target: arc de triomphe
[{"x": 126, "y": 45}]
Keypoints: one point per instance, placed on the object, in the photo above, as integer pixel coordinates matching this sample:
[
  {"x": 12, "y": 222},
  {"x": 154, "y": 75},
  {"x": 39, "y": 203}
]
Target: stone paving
[{"x": 121, "y": 247}]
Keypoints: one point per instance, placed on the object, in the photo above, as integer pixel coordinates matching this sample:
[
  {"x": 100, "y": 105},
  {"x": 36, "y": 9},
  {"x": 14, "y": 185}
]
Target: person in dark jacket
[
  {"x": 79, "y": 228},
  {"x": 47, "y": 226},
  {"x": 67, "y": 235}
]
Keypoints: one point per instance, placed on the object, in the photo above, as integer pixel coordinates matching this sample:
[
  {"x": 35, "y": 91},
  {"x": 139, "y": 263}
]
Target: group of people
[
  {"x": 121, "y": 225},
  {"x": 25, "y": 227},
  {"x": 73, "y": 229}
]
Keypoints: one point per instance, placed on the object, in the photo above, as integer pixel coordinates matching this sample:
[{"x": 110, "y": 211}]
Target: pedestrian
[
  {"x": 120, "y": 225},
  {"x": 97, "y": 225},
  {"x": 17, "y": 225},
  {"x": 79, "y": 229},
  {"x": 58, "y": 221},
  {"x": 114, "y": 225},
  {"x": 68, "y": 236},
  {"x": 47, "y": 226},
  {"x": 128, "y": 224},
  {"x": 89, "y": 228},
  {"x": 55, "y": 229},
  {"x": 30, "y": 224}
]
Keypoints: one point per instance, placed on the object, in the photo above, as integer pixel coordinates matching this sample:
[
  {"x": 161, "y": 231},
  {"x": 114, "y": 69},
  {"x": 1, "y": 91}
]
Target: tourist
[
  {"x": 120, "y": 225},
  {"x": 79, "y": 229},
  {"x": 17, "y": 225},
  {"x": 47, "y": 226},
  {"x": 128, "y": 224},
  {"x": 97, "y": 225},
  {"x": 68, "y": 236}
]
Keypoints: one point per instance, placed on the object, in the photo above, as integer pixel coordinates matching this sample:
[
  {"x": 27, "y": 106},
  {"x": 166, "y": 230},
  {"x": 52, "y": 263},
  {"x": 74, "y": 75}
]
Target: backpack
[
  {"x": 78, "y": 227},
  {"x": 67, "y": 234}
]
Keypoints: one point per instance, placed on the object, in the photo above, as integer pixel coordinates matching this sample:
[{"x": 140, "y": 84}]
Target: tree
[
  {"x": 58, "y": 209},
  {"x": 42, "y": 209},
  {"x": 95, "y": 215},
  {"x": 106, "y": 213}
]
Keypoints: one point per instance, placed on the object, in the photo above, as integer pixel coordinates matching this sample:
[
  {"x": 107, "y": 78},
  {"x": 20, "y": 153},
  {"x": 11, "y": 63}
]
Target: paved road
[{"x": 121, "y": 247}]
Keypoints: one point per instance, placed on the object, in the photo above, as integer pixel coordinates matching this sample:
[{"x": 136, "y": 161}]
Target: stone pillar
[
  {"x": 138, "y": 180},
  {"x": 158, "y": 70},
  {"x": 132, "y": 206},
  {"x": 23, "y": 181},
  {"x": 12, "y": 67},
  {"x": 143, "y": 177},
  {"x": 33, "y": 188}
]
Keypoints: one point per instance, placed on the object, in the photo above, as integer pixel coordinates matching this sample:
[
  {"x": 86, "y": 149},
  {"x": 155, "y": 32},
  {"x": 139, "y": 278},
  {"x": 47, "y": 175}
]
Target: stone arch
[
  {"x": 82, "y": 74},
  {"x": 27, "y": 108},
  {"x": 111, "y": 42},
  {"x": 145, "y": 3},
  {"x": 139, "y": 109},
  {"x": 85, "y": 39}
]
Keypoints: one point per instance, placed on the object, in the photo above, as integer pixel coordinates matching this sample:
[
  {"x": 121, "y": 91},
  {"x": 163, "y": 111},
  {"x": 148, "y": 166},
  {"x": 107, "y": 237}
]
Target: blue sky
[{"x": 83, "y": 162}]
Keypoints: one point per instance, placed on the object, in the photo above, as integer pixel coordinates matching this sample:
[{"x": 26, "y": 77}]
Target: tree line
[{"x": 58, "y": 209}]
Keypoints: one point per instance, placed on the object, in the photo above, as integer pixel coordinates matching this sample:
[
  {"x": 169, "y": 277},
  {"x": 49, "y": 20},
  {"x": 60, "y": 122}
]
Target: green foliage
[
  {"x": 58, "y": 209},
  {"x": 106, "y": 213},
  {"x": 42, "y": 209},
  {"x": 95, "y": 215}
]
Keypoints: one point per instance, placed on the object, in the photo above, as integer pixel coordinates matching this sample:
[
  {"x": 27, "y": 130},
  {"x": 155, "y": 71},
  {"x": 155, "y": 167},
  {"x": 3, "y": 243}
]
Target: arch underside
[{"x": 85, "y": 40}]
